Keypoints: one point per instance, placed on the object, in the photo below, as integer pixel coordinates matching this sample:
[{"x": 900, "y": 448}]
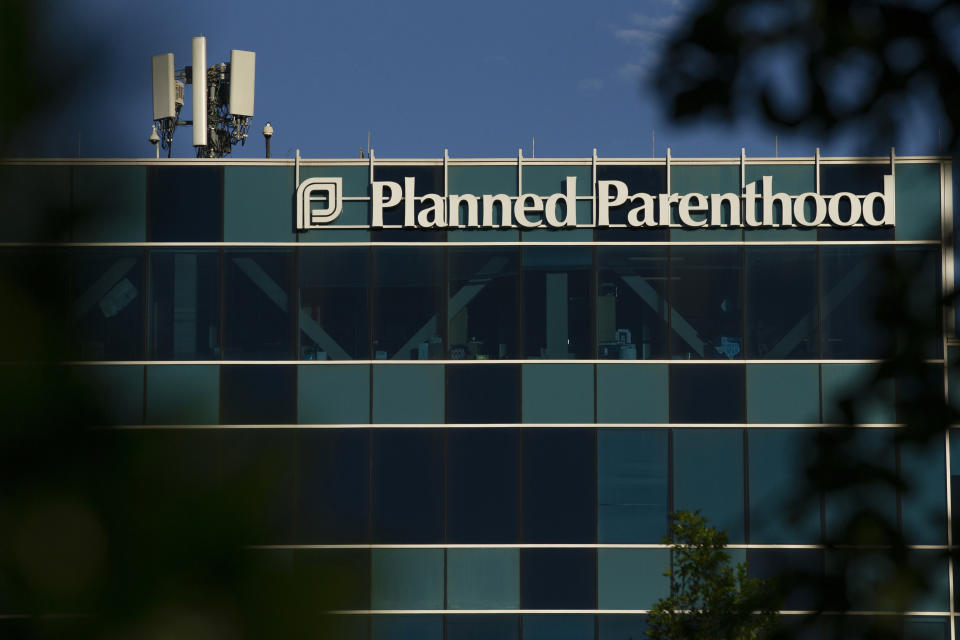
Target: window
[
  {"x": 258, "y": 394},
  {"x": 639, "y": 179},
  {"x": 558, "y": 579},
  {"x": 487, "y": 394},
  {"x": 258, "y": 321},
  {"x": 782, "y": 311},
  {"x": 632, "y": 305},
  {"x": 408, "y": 319},
  {"x": 632, "y": 485},
  {"x": 859, "y": 179},
  {"x": 184, "y": 304},
  {"x": 558, "y": 302},
  {"x": 483, "y": 303},
  {"x": 706, "y": 295},
  {"x": 108, "y": 303},
  {"x": 257, "y": 205},
  {"x": 333, "y": 486},
  {"x": 333, "y": 394},
  {"x": 778, "y": 459},
  {"x": 185, "y": 204},
  {"x": 407, "y": 579},
  {"x": 707, "y": 393},
  {"x": 407, "y": 491},
  {"x": 851, "y": 280},
  {"x": 334, "y": 303},
  {"x": 183, "y": 394},
  {"x": 708, "y": 475},
  {"x": 558, "y": 393},
  {"x": 632, "y": 578},
  {"x": 559, "y": 500},
  {"x": 483, "y": 578}
]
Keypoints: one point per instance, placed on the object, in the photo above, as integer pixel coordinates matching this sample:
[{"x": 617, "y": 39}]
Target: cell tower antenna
[{"x": 222, "y": 99}]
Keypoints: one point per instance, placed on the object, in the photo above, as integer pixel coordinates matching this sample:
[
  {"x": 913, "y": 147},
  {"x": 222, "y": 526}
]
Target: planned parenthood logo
[{"x": 318, "y": 191}]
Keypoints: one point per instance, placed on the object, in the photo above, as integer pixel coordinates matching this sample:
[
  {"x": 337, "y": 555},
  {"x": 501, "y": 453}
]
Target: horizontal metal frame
[
  {"x": 395, "y": 363},
  {"x": 472, "y": 243}
]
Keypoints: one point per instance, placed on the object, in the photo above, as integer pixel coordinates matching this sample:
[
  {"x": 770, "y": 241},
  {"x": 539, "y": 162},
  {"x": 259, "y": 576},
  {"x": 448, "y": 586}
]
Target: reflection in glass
[
  {"x": 631, "y": 303},
  {"x": 408, "y": 303},
  {"x": 334, "y": 303},
  {"x": 184, "y": 305},
  {"x": 707, "y": 299},
  {"x": 782, "y": 313},
  {"x": 107, "y": 303},
  {"x": 258, "y": 323},
  {"x": 483, "y": 303},
  {"x": 851, "y": 279},
  {"x": 558, "y": 302}
]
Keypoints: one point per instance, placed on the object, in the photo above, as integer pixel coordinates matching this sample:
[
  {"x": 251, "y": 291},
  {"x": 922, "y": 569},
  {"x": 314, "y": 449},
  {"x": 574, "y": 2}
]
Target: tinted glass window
[
  {"x": 639, "y": 179},
  {"x": 481, "y": 627},
  {"x": 407, "y": 490},
  {"x": 258, "y": 394},
  {"x": 558, "y": 578},
  {"x": 258, "y": 321},
  {"x": 632, "y": 303},
  {"x": 334, "y": 303},
  {"x": 783, "y": 567},
  {"x": 707, "y": 393},
  {"x": 859, "y": 179},
  {"x": 778, "y": 458},
  {"x": 483, "y": 486},
  {"x": 706, "y": 294},
  {"x": 485, "y": 394},
  {"x": 483, "y": 303},
  {"x": 708, "y": 475},
  {"x": 921, "y": 265},
  {"x": 851, "y": 280},
  {"x": 333, "y": 486},
  {"x": 408, "y": 320},
  {"x": 185, "y": 305},
  {"x": 427, "y": 179},
  {"x": 185, "y": 204},
  {"x": 782, "y": 312},
  {"x": 558, "y": 302},
  {"x": 559, "y": 499},
  {"x": 108, "y": 303},
  {"x": 632, "y": 484}
]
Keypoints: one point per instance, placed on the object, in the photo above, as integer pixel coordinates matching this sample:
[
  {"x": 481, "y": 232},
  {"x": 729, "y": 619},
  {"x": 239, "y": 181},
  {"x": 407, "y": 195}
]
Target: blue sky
[{"x": 479, "y": 79}]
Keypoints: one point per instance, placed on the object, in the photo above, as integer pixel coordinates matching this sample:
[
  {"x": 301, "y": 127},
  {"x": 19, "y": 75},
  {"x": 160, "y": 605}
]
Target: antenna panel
[
  {"x": 164, "y": 90},
  {"x": 200, "y": 91},
  {"x": 242, "y": 67}
]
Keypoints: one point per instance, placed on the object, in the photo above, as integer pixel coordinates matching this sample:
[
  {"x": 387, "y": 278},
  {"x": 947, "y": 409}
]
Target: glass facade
[{"x": 497, "y": 423}]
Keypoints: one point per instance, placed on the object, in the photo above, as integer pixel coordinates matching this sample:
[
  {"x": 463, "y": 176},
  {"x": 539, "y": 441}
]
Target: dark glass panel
[
  {"x": 339, "y": 577},
  {"x": 632, "y": 303},
  {"x": 707, "y": 393},
  {"x": 483, "y": 627},
  {"x": 558, "y": 578},
  {"x": 851, "y": 280},
  {"x": 107, "y": 303},
  {"x": 258, "y": 322},
  {"x": 258, "y": 394},
  {"x": 639, "y": 179},
  {"x": 184, "y": 305},
  {"x": 707, "y": 299},
  {"x": 36, "y": 285},
  {"x": 488, "y": 394},
  {"x": 558, "y": 302},
  {"x": 334, "y": 486},
  {"x": 334, "y": 303},
  {"x": 790, "y": 572},
  {"x": 407, "y": 490},
  {"x": 559, "y": 494},
  {"x": 483, "y": 486},
  {"x": 921, "y": 265},
  {"x": 782, "y": 313},
  {"x": 408, "y": 319},
  {"x": 185, "y": 204},
  {"x": 428, "y": 179},
  {"x": 859, "y": 179},
  {"x": 483, "y": 306}
]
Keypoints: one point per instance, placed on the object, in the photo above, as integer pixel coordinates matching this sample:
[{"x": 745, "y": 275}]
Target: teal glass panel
[
  {"x": 926, "y": 628},
  {"x": 839, "y": 380},
  {"x": 777, "y": 459},
  {"x": 633, "y": 393},
  {"x": 632, "y": 485},
  {"x": 408, "y": 394},
  {"x": 483, "y": 578},
  {"x": 632, "y": 578},
  {"x": 36, "y": 202},
  {"x": 480, "y": 180},
  {"x": 868, "y": 447},
  {"x": 328, "y": 394},
  {"x": 406, "y": 627},
  {"x": 258, "y": 204},
  {"x": 783, "y": 393},
  {"x": 792, "y": 179},
  {"x": 407, "y": 579},
  {"x": 183, "y": 394},
  {"x": 708, "y": 475},
  {"x": 918, "y": 201},
  {"x": 548, "y": 180},
  {"x": 547, "y": 234},
  {"x": 558, "y": 393},
  {"x": 356, "y": 178},
  {"x": 558, "y": 627},
  {"x": 705, "y": 179},
  {"x": 110, "y": 204},
  {"x": 866, "y": 571},
  {"x": 924, "y": 506},
  {"x": 117, "y": 391},
  {"x": 622, "y": 626}
]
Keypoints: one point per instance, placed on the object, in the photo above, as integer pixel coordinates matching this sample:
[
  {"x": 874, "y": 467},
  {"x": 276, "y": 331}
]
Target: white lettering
[
  {"x": 521, "y": 209},
  {"x": 379, "y": 203},
  {"x": 686, "y": 208}
]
